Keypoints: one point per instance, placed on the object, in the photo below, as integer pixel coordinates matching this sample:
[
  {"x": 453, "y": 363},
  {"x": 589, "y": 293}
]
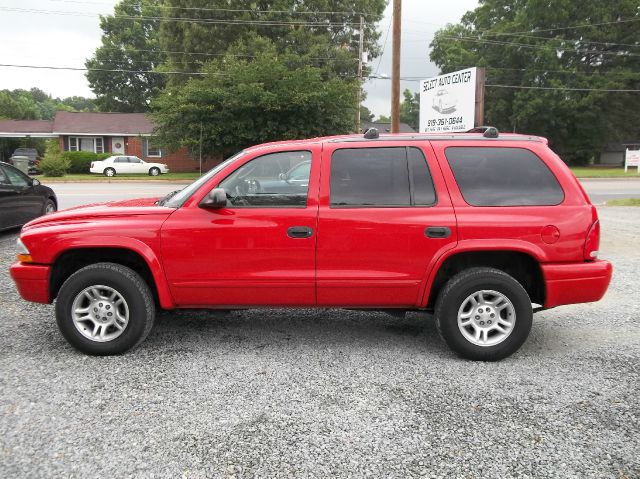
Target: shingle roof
[
  {"x": 26, "y": 126},
  {"x": 102, "y": 123}
]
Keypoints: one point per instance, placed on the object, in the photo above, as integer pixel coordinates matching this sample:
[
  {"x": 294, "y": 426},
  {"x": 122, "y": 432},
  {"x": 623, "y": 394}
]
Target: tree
[
  {"x": 383, "y": 119},
  {"x": 528, "y": 43},
  {"x": 365, "y": 114},
  {"x": 241, "y": 102},
  {"x": 410, "y": 109},
  {"x": 122, "y": 70},
  {"x": 325, "y": 40}
]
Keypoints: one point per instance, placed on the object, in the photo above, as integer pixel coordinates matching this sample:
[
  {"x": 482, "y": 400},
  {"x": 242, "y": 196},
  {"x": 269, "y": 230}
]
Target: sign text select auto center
[{"x": 452, "y": 79}]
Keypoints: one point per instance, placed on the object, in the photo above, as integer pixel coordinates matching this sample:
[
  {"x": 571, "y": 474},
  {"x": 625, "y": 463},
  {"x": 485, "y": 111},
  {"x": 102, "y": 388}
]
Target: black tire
[
  {"x": 458, "y": 289},
  {"x": 129, "y": 285},
  {"x": 49, "y": 207},
  {"x": 154, "y": 171},
  {"x": 109, "y": 172}
]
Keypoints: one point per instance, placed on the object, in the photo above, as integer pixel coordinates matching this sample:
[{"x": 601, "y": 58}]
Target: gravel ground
[{"x": 328, "y": 393}]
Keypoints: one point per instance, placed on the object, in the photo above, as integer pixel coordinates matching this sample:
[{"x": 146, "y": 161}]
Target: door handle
[
  {"x": 437, "y": 232},
  {"x": 300, "y": 232}
]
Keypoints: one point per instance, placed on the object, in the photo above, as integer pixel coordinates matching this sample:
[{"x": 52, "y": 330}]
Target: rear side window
[
  {"x": 396, "y": 176},
  {"x": 503, "y": 177}
]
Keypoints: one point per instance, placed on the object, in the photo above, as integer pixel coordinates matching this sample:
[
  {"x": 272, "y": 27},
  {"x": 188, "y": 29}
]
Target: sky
[{"x": 66, "y": 32}]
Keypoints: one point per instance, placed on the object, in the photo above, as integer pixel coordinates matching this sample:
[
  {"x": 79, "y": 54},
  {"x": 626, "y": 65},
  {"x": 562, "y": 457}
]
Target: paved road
[
  {"x": 73, "y": 194},
  {"x": 329, "y": 393},
  {"x": 601, "y": 191}
]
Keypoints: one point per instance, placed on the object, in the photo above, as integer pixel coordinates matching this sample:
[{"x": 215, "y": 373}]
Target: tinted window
[
  {"x": 503, "y": 177},
  {"x": 380, "y": 177},
  {"x": 370, "y": 177},
  {"x": 424, "y": 192},
  {"x": 264, "y": 182},
  {"x": 133, "y": 159},
  {"x": 16, "y": 178},
  {"x": 121, "y": 160}
]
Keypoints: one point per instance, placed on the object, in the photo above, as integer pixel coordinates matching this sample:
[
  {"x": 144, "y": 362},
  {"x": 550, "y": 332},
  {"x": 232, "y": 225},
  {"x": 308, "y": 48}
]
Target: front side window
[
  {"x": 16, "y": 178},
  {"x": 267, "y": 181},
  {"x": 133, "y": 159},
  {"x": 3, "y": 178},
  {"x": 395, "y": 176},
  {"x": 489, "y": 176}
]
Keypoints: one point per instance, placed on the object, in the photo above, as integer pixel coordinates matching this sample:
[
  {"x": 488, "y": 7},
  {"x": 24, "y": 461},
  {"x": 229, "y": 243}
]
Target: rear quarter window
[{"x": 489, "y": 176}]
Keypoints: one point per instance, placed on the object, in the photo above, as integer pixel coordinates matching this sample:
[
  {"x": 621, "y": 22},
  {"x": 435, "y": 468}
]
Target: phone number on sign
[{"x": 445, "y": 121}]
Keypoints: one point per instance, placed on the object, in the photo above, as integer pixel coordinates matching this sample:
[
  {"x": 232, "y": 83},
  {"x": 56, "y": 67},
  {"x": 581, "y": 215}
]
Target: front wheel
[
  {"x": 484, "y": 314},
  {"x": 154, "y": 171},
  {"x": 105, "y": 308},
  {"x": 49, "y": 207}
]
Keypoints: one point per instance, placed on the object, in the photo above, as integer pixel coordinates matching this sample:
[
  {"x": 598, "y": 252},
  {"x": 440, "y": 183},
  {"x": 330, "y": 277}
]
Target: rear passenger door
[{"x": 384, "y": 216}]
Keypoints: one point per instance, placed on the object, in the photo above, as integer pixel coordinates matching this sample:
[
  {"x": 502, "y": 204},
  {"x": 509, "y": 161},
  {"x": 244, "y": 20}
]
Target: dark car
[
  {"x": 22, "y": 198},
  {"x": 32, "y": 154}
]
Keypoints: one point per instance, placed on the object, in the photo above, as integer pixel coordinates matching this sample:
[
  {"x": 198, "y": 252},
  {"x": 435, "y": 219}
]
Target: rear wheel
[
  {"x": 154, "y": 171},
  {"x": 484, "y": 314},
  {"x": 105, "y": 308},
  {"x": 109, "y": 172}
]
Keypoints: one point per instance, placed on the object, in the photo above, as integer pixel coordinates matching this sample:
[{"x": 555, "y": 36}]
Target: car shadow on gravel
[{"x": 296, "y": 327}]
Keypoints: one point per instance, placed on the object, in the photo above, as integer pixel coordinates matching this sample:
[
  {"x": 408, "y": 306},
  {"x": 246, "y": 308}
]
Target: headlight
[{"x": 24, "y": 255}]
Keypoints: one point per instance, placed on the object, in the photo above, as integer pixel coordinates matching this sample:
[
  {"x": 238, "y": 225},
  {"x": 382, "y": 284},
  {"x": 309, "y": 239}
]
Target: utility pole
[
  {"x": 360, "y": 54},
  {"x": 395, "y": 73}
]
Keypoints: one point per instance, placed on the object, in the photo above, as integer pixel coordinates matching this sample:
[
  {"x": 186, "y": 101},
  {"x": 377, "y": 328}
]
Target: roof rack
[{"x": 487, "y": 131}]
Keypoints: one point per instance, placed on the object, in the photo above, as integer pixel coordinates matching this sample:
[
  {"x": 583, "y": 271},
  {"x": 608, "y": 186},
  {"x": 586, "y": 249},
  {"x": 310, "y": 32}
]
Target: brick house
[{"x": 118, "y": 133}]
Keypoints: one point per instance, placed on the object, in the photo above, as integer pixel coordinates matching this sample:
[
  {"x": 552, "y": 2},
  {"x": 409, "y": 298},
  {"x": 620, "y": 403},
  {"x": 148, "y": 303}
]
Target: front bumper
[
  {"x": 571, "y": 283},
  {"x": 32, "y": 281}
]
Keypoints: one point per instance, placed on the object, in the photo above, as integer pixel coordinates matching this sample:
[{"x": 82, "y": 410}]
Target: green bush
[
  {"x": 80, "y": 161},
  {"x": 53, "y": 163}
]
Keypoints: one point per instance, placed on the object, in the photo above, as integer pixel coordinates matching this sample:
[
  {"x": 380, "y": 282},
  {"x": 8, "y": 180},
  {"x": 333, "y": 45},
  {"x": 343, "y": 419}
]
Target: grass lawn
[
  {"x": 624, "y": 202},
  {"x": 90, "y": 177},
  {"x": 598, "y": 172}
]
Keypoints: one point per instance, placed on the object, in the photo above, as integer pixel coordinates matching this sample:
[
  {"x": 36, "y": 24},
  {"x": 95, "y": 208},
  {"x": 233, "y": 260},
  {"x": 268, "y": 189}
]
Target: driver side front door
[{"x": 257, "y": 251}]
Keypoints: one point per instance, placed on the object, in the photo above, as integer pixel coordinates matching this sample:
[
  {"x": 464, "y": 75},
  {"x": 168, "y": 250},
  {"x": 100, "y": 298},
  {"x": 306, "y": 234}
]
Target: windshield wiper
[{"x": 167, "y": 197}]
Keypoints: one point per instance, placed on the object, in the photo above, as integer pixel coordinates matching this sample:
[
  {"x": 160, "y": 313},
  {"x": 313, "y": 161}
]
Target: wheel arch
[
  {"x": 71, "y": 260},
  {"x": 523, "y": 266}
]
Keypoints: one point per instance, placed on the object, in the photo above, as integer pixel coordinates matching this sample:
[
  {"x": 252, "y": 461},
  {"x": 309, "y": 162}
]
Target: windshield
[{"x": 178, "y": 199}]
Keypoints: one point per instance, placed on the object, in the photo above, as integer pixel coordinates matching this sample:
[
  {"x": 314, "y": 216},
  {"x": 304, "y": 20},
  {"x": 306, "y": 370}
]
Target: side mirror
[
  {"x": 35, "y": 181},
  {"x": 282, "y": 176},
  {"x": 216, "y": 199}
]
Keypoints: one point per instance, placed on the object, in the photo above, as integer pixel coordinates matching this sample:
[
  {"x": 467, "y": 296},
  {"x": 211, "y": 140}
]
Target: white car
[{"x": 127, "y": 165}]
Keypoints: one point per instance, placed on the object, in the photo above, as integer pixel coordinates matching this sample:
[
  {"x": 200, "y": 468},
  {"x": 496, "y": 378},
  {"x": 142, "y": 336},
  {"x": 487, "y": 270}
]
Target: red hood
[{"x": 134, "y": 207}]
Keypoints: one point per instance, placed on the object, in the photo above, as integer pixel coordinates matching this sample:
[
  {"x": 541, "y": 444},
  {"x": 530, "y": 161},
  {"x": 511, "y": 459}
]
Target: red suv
[{"x": 480, "y": 228}]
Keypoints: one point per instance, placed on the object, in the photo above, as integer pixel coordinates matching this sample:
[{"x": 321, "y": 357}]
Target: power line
[
  {"x": 236, "y": 10},
  {"x": 537, "y": 47},
  {"x": 43, "y": 67},
  {"x": 610, "y": 90},
  {"x": 238, "y": 55},
  {"x": 205, "y": 21},
  {"x": 384, "y": 46}
]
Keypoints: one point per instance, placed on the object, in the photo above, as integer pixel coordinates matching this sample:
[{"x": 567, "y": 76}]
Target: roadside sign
[
  {"x": 632, "y": 158},
  {"x": 448, "y": 102}
]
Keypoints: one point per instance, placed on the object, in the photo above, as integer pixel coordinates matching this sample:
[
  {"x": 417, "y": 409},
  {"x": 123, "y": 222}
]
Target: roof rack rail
[
  {"x": 372, "y": 134},
  {"x": 487, "y": 131}
]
